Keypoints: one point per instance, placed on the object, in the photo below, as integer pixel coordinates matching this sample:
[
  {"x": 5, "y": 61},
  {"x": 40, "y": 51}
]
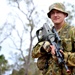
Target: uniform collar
[{"x": 64, "y": 25}]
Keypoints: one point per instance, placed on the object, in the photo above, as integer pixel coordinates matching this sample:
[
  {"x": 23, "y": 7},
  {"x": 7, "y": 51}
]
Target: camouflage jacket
[{"x": 67, "y": 35}]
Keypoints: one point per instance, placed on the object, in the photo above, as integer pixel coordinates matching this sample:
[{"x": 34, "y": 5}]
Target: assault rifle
[{"x": 46, "y": 34}]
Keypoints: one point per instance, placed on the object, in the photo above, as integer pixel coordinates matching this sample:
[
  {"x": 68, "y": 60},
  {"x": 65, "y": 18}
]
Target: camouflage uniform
[{"x": 67, "y": 35}]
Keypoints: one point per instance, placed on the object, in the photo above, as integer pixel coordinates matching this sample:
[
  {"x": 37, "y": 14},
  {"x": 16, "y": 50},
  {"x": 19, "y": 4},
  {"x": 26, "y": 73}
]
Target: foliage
[
  {"x": 70, "y": 9},
  {"x": 32, "y": 71},
  {"x": 3, "y": 64}
]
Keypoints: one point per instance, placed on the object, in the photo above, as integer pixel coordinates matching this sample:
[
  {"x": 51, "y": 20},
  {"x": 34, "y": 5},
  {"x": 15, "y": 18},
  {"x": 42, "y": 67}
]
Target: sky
[{"x": 5, "y": 9}]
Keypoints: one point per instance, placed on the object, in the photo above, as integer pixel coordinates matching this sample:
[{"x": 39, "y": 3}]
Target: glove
[{"x": 46, "y": 46}]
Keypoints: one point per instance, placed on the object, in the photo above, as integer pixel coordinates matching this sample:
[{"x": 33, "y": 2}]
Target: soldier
[{"x": 48, "y": 64}]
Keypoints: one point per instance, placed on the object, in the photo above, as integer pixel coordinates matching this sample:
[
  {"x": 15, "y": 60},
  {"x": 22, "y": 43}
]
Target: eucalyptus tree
[{"x": 26, "y": 17}]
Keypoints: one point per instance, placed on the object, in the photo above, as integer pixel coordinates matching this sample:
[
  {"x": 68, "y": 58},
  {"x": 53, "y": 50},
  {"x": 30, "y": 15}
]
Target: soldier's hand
[
  {"x": 49, "y": 48},
  {"x": 52, "y": 48},
  {"x": 62, "y": 52}
]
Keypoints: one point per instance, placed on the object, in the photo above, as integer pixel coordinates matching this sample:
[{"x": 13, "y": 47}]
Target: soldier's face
[{"x": 57, "y": 17}]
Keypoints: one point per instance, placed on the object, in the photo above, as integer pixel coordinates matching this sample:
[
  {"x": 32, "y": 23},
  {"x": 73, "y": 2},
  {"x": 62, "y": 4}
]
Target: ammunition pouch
[{"x": 42, "y": 62}]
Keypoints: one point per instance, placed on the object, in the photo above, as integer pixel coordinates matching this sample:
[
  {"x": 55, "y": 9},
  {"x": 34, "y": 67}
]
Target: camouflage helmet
[{"x": 59, "y": 7}]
